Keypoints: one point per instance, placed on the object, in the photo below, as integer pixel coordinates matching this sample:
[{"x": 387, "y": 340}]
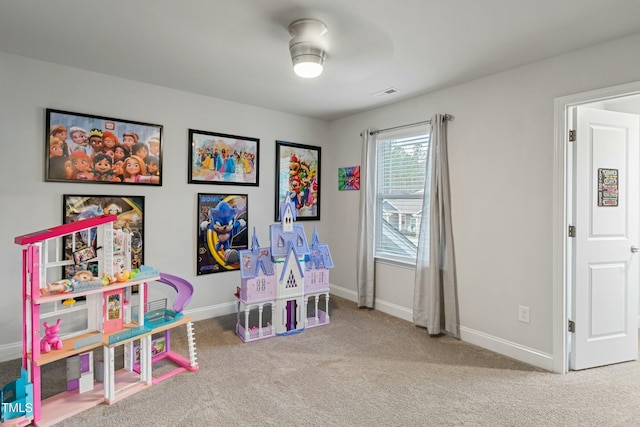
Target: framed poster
[
  {"x": 86, "y": 148},
  {"x": 222, "y": 231},
  {"x": 349, "y": 178},
  {"x": 130, "y": 212},
  {"x": 218, "y": 158},
  {"x": 298, "y": 172},
  {"x": 608, "y": 192}
]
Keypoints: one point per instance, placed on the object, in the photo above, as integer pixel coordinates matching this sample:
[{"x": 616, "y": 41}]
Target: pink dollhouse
[
  {"x": 108, "y": 322},
  {"x": 282, "y": 278}
]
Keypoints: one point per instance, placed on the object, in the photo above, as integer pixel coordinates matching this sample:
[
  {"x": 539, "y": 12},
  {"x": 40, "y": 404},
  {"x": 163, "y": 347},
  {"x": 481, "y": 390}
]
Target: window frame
[{"x": 418, "y": 133}]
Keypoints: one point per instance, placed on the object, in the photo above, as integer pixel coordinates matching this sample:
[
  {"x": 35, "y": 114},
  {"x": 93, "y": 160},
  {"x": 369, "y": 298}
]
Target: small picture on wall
[
  {"x": 222, "y": 231},
  {"x": 101, "y": 150},
  {"x": 349, "y": 178}
]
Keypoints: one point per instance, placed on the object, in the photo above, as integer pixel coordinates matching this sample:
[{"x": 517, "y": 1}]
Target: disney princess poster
[
  {"x": 222, "y": 231},
  {"x": 218, "y": 158},
  {"x": 101, "y": 150},
  {"x": 298, "y": 173}
]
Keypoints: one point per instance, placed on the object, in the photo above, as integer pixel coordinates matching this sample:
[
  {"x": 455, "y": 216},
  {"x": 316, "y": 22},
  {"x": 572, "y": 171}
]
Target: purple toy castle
[{"x": 283, "y": 278}]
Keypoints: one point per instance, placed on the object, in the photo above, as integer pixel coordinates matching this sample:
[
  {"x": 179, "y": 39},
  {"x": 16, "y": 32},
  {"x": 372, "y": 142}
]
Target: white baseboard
[
  {"x": 380, "y": 305},
  {"x": 516, "y": 351},
  {"x": 394, "y": 310},
  {"x": 212, "y": 311},
  {"x": 11, "y": 351},
  {"x": 343, "y": 293},
  {"x": 508, "y": 348}
]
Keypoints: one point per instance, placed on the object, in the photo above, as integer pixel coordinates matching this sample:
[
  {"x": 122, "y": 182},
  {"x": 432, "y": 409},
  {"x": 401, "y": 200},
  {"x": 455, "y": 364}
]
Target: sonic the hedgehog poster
[{"x": 222, "y": 231}]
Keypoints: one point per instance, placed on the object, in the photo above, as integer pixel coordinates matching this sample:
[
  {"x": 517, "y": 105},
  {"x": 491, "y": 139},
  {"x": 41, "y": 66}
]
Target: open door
[{"x": 606, "y": 216}]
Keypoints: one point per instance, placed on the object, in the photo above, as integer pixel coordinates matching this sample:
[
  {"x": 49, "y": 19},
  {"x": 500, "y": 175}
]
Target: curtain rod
[{"x": 426, "y": 122}]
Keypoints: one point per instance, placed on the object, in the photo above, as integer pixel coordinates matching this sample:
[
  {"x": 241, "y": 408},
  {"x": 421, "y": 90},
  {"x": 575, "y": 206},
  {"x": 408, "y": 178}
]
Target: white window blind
[{"x": 401, "y": 174}]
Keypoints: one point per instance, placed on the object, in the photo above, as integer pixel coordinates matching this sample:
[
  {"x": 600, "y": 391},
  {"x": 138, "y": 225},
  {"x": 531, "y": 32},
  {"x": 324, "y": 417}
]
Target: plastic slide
[{"x": 184, "y": 289}]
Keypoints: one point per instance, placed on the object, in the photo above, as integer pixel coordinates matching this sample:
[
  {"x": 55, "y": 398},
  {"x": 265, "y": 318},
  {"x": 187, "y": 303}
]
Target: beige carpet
[{"x": 364, "y": 369}]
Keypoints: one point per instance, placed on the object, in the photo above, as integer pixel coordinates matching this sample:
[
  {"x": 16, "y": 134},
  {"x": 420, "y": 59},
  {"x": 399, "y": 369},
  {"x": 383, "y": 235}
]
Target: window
[{"x": 401, "y": 160}]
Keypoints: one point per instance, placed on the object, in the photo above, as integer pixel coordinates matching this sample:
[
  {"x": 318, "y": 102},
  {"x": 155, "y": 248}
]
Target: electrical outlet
[{"x": 523, "y": 313}]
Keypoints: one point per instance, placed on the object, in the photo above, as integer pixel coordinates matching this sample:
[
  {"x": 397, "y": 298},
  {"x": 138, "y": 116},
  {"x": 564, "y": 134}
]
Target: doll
[{"x": 68, "y": 285}]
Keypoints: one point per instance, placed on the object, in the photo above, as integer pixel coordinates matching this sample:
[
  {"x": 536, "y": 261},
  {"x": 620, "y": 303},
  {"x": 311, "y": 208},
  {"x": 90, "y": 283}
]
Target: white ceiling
[{"x": 238, "y": 49}]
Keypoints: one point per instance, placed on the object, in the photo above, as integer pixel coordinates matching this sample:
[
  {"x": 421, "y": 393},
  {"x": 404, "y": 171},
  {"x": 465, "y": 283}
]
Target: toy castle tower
[{"x": 284, "y": 275}]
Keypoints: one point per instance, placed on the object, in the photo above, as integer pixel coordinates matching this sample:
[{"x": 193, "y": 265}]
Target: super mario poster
[
  {"x": 298, "y": 173},
  {"x": 222, "y": 231}
]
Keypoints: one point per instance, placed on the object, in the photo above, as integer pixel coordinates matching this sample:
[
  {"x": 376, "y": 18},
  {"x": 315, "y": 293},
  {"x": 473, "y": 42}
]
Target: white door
[{"x": 607, "y": 220}]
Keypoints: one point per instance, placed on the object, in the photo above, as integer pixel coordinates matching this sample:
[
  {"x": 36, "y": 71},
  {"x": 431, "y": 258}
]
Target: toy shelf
[
  {"x": 68, "y": 349},
  {"x": 117, "y": 285},
  {"x": 62, "y": 405}
]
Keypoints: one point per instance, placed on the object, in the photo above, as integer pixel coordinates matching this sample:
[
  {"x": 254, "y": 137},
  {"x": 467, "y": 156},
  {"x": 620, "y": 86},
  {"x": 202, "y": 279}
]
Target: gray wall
[
  {"x": 501, "y": 149},
  {"x": 27, "y": 87},
  {"x": 501, "y": 154}
]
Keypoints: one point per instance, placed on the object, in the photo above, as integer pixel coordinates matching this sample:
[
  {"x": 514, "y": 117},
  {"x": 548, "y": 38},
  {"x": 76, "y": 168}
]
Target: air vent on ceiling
[{"x": 387, "y": 92}]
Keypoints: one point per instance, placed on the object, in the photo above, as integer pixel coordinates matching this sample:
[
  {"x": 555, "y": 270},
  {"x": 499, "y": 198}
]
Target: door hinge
[
  {"x": 572, "y": 135},
  {"x": 572, "y": 231},
  {"x": 572, "y": 326}
]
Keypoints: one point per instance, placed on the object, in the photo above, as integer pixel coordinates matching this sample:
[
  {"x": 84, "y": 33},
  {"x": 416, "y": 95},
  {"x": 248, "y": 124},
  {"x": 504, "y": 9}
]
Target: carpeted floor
[{"x": 366, "y": 368}]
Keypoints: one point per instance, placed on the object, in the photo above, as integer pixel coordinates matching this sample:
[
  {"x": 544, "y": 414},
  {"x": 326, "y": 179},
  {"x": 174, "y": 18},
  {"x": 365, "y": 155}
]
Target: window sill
[{"x": 397, "y": 262}]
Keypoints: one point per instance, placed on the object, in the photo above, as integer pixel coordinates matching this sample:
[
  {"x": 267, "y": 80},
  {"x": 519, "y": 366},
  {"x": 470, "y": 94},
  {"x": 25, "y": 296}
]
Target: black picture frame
[
  {"x": 224, "y": 159},
  {"x": 298, "y": 170},
  {"x": 75, "y": 150},
  {"x": 130, "y": 212},
  {"x": 223, "y": 231}
]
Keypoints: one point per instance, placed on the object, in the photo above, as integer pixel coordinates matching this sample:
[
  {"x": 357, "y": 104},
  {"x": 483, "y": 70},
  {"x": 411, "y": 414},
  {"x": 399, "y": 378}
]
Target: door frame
[{"x": 561, "y": 181}]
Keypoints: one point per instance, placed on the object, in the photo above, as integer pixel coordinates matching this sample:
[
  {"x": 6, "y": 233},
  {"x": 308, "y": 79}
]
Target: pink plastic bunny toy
[{"x": 51, "y": 338}]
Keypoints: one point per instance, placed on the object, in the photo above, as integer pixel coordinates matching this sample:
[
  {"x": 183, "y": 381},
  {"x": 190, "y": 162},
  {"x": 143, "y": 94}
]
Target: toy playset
[
  {"x": 283, "y": 276},
  {"x": 51, "y": 307}
]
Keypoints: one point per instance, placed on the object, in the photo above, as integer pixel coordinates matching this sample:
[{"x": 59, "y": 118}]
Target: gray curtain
[
  {"x": 366, "y": 229},
  {"x": 435, "y": 303}
]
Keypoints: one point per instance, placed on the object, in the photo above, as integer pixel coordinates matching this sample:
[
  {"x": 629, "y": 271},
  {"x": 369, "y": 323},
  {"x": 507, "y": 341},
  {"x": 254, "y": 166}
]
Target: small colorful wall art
[
  {"x": 607, "y": 187},
  {"x": 222, "y": 231},
  {"x": 349, "y": 178}
]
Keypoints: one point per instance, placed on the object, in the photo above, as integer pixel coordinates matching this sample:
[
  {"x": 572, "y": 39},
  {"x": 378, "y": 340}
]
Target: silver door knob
[{"x": 635, "y": 249}]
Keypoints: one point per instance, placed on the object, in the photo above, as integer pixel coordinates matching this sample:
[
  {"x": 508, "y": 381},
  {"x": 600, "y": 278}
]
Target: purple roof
[
  {"x": 255, "y": 260},
  {"x": 280, "y": 240},
  {"x": 319, "y": 255}
]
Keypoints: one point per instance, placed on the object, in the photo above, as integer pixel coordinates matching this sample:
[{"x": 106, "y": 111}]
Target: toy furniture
[
  {"x": 108, "y": 322},
  {"x": 17, "y": 402},
  {"x": 279, "y": 280}
]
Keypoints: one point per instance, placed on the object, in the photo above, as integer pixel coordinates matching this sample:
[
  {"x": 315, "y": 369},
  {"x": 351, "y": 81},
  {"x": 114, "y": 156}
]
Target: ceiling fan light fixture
[
  {"x": 308, "y": 62},
  {"x": 307, "y": 48}
]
